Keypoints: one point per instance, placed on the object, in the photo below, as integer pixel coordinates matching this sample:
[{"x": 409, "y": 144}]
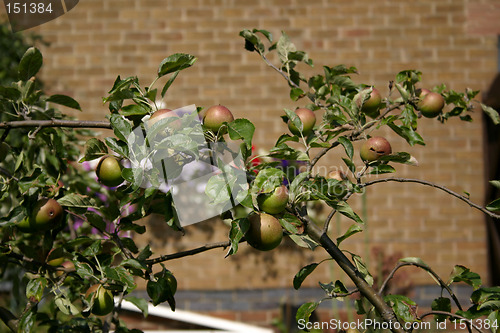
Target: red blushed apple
[
  {"x": 308, "y": 119},
  {"x": 431, "y": 104},
  {"x": 372, "y": 105},
  {"x": 215, "y": 116},
  {"x": 374, "y": 148}
]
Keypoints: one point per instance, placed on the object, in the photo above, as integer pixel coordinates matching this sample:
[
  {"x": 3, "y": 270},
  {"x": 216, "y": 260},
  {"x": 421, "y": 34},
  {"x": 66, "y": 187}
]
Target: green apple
[
  {"x": 55, "y": 257},
  {"x": 215, "y": 116},
  {"x": 103, "y": 300},
  {"x": 374, "y": 148},
  {"x": 47, "y": 214},
  {"x": 275, "y": 201},
  {"x": 264, "y": 233},
  {"x": 308, "y": 119},
  {"x": 109, "y": 171},
  {"x": 431, "y": 104}
]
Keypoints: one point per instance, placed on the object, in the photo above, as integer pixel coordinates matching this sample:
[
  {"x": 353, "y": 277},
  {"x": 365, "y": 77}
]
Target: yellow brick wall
[{"x": 446, "y": 40}]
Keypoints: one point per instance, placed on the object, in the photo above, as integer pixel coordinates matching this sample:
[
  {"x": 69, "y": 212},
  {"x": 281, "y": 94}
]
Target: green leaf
[
  {"x": 305, "y": 311},
  {"x": 65, "y": 101},
  {"x": 289, "y": 222},
  {"x": 381, "y": 169},
  {"x": 10, "y": 93},
  {"x": 35, "y": 288},
  {"x": 302, "y": 274},
  {"x": 169, "y": 83},
  {"x": 266, "y": 33},
  {"x": 120, "y": 275},
  {"x": 346, "y": 210},
  {"x": 284, "y": 47},
  {"x": 141, "y": 304},
  {"x": 30, "y": 64},
  {"x": 94, "y": 148},
  {"x": 121, "y": 126},
  {"x": 353, "y": 229},
  {"x": 403, "y": 307},
  {"x": 134, "y": 110},
  {"x": 241, "y": 129},
  {"x": 331, "y": 289},
  {"x": 495, "y": 183},
  {"x": 27, "y": 321},
  {"x": 296, "y": 93},
  {"x": 238, "y": 229},
  {"x": 463, "y": 274},
  {"x": 349, "y": 149},
  {"x": 77, "y": 200},
  {"x": 84, "y": 270},
  {"x": 494, "y": 205},
  {"x": 441, "y": 304},
  {"x": 252, "y": 41},
  {"x": 126, "y": 225},
  {"x": 118, "y": 146},
  {"x": 408, "y": 134},
  {"x": 145, "y": 253},
  {"x": 494, "y": 319},
  {"x": 361, "y": 266},
  {"x": 96, "y": 221},
  {"x": 304, "y": 241},
  {"x": 415, "y": 260},
  {"x": 492, "y": 113},
  {"x": 288, "y": 153},
  {"x": 267, "y": 180},
  {"x": 175, "y": 62}
]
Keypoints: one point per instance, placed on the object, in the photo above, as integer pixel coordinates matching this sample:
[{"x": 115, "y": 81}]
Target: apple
[
  {"x": 275, "y": 201},
  {"x": 4, "y": 150},
  {"x": 372, "y": 105},
  {"x": 55, "y": 257},
  {"x": 215, "y": 116},
  {"x": 308, "y": 119},
  {"x": 163, "y": 114},
  {"x": 69, "y": 267},
  {"x": 431, "y": 104},
  {"x": 374, "y": 148},
  {"x": 47, "y": 214},
  {"x": 103, "y": 300},
  {"x": 264, "y": 233},
  {"x": 109, "y": 171}
]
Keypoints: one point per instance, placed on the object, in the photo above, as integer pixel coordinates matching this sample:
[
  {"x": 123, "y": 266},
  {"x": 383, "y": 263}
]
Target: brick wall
[{"x": 450, "y": 41}]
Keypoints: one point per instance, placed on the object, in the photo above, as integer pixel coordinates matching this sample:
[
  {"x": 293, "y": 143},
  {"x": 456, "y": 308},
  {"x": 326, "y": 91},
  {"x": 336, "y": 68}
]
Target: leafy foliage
[{"x": 96, "y": 238}]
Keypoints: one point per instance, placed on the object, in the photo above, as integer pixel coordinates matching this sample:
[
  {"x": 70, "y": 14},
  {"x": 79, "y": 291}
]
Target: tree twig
[
  {"x": 443, "y": 188},
  {"x": 428, "y": 269},
  {"x": 55, "y": 123},
  {"x": 181, "y": 254}
]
